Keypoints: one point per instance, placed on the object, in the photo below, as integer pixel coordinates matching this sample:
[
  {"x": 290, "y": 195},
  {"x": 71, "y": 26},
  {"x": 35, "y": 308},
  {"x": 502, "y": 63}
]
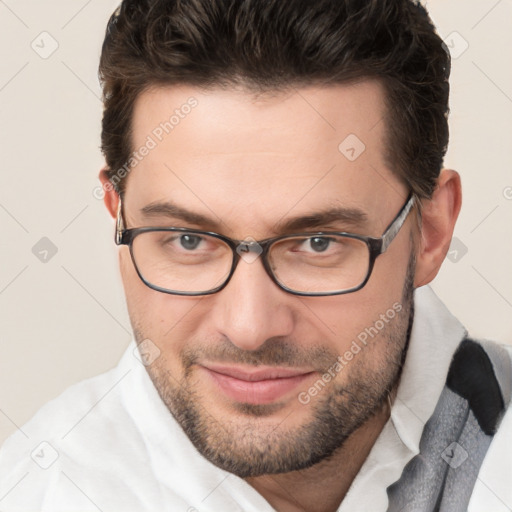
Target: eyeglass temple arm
[
  {"x": 119, "y": 224},
  {"x": 393, "y": 229}
]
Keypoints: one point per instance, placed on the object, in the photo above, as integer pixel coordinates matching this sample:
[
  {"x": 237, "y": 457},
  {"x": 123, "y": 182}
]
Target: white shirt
[{"x": 110, "y": 444}]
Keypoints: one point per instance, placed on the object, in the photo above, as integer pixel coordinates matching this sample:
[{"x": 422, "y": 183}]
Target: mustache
[{"x": 274, "y": 352}]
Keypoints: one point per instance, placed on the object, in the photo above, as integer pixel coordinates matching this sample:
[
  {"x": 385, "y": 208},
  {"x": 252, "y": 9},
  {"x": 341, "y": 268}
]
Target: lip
[{"x": 256, "y": 385}]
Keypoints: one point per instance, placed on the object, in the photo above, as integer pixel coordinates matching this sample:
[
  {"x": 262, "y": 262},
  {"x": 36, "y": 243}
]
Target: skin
[{"x": 249, "y": 163}]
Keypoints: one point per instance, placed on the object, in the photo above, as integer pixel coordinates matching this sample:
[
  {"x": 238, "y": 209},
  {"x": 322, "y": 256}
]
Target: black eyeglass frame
[{"x": 376, "y": 247}]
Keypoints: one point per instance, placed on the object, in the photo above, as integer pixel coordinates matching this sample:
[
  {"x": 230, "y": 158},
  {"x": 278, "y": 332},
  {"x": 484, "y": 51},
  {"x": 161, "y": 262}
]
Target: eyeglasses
[{"x": 191, "y": 262}]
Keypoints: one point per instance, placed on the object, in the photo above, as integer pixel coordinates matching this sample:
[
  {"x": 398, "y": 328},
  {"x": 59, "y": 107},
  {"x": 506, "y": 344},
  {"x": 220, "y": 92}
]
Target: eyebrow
[
  {"x": 173, "y": 211},
  {"x": 352, "y": 218},
  {"x": 343, "y": 217}
]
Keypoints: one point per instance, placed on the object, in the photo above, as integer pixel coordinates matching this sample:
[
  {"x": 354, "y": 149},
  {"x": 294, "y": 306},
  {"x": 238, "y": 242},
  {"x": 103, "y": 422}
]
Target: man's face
[{"x": 263, "y": 381}]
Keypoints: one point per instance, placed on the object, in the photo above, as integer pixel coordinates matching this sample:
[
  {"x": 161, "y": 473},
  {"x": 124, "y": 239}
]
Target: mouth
[{"x": 256, "y": 385}]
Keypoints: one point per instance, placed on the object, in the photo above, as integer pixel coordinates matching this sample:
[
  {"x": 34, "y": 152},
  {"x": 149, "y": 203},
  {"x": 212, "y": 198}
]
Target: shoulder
[
  {"x": 71, "y": 434},
  {"x": 492, "y": 489},
  {"x": 466, "y": 445}
]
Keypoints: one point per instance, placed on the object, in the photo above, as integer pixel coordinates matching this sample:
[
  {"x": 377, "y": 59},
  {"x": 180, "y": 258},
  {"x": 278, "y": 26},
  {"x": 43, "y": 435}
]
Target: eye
[
  {"x": 318, "y": 243},
  {"x": 190, "y": 242}
]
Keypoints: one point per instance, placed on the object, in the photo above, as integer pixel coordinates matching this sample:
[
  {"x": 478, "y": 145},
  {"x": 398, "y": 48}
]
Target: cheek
[
  {"x": 339, "y": 323},
  {"x": 344, "y": 318},
  {"x": 136, "y": 292},
  {"x": 161, "y": 317}
]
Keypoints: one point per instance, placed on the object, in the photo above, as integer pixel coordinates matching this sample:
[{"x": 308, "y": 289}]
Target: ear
[
  {"x": 111, "y": 198},
  {"x": 439, "y": 215}
]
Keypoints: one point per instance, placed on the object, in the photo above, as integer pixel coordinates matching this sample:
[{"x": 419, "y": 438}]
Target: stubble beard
[{"x": 247, "y": 444}]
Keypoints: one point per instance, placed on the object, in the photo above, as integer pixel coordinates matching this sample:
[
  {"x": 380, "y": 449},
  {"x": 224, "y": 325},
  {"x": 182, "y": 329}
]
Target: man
[{"x": 274, "y": 169}]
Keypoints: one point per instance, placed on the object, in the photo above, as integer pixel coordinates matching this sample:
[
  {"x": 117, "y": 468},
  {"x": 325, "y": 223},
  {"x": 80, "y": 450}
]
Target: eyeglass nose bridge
[{"x": 250, "y": 250}]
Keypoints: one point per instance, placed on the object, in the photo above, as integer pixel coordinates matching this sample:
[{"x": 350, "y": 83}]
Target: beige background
[{"x": 64, "y": 320}]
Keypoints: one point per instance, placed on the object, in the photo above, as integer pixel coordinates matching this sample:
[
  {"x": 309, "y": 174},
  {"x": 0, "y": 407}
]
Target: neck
[{"x": 322, "y": 487}]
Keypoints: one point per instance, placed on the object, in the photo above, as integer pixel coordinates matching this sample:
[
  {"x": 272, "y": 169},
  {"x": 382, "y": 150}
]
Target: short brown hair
[{"x": 272, "y": 45}]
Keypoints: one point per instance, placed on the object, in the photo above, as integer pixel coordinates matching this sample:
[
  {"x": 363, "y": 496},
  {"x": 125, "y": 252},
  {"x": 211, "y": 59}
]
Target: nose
[{"x": 252, "y": 308}]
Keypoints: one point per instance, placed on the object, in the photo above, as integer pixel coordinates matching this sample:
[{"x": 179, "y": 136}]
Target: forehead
[{"x": 254, "y": 159}]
